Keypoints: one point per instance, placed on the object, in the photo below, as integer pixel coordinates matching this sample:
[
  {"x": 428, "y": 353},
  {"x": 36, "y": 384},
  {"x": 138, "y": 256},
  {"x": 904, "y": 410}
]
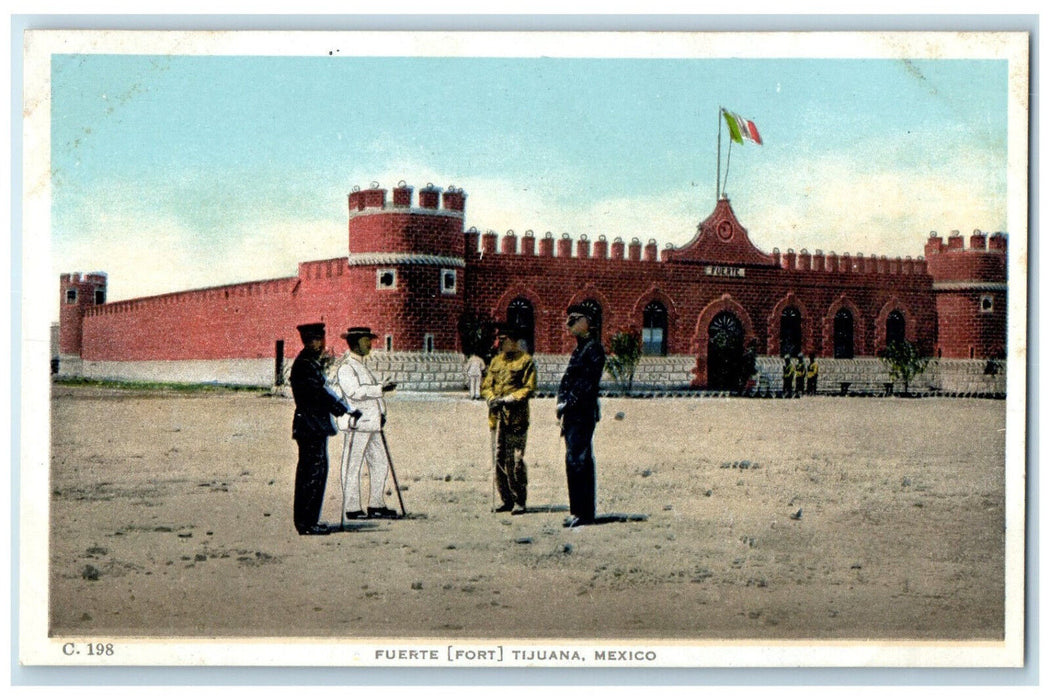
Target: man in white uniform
[
  {"x": 363, "y": 441},
  {"x": 475, "y": 370}
]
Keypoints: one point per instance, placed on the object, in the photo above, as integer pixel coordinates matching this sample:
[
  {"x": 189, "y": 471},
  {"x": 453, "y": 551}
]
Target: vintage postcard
[{"x": 509, "y": 349}]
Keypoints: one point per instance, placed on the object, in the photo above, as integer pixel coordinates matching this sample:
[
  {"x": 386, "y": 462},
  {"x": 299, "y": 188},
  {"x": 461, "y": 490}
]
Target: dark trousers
[
  {"x": 511, "y": 476},
  {"x": 311, "y": 474},
  {"x": 579, "y": 467}
]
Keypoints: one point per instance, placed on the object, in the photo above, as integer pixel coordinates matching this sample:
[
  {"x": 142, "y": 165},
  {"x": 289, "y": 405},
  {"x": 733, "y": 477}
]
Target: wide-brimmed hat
[{"x": 355, "y": 332}]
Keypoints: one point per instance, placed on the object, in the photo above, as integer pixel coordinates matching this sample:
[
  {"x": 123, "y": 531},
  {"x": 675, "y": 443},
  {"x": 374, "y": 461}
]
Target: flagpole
[
  {"x": 718, "y": 169},
  {"x": 729, "y": 155}
]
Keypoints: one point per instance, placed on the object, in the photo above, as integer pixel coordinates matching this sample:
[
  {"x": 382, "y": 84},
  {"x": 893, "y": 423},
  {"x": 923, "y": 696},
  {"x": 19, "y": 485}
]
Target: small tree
[
  {"x": 904, "y": 362},
  {"x": 477, "y": 333},
  {"x": 626, "y": 347}
]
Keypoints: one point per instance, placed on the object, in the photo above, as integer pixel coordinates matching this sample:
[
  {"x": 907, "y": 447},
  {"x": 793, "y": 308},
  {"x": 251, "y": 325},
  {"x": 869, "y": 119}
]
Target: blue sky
[{"x": 174, "y": 172}]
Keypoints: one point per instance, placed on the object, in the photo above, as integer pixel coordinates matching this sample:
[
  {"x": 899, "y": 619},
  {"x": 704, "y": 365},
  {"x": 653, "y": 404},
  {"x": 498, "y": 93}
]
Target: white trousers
[
  {"x": 359, "y": 447},
  {"x": 475, "y": 386}
]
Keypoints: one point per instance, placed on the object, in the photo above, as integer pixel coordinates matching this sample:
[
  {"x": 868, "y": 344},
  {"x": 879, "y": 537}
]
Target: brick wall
[
  {"x": 235, "y": 321},
  {"x": 624, "y": 287},
  {"x": 953, "y": 303}
]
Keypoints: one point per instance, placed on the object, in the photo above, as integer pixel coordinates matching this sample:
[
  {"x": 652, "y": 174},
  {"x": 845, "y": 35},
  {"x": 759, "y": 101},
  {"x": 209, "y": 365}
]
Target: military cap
[
  {"x": 355, "y": 332},
  {"x": 309, "y": 331},
  {"x": 510, "y": 331}
]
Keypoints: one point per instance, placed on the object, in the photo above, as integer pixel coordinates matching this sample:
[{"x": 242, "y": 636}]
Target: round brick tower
[
  {"x": 970, "y": 288},
  {"x": 406, "y": 266}
]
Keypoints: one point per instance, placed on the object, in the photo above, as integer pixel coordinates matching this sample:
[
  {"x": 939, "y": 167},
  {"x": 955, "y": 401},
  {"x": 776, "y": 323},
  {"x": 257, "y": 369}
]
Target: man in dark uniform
[
  {"x": 315, "y": 404},
  {"x": 577, "y": 407},
  {"x": 812, "y": 372}
]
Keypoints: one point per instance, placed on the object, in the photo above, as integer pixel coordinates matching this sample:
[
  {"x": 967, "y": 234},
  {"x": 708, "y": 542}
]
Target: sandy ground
[{"x": 171, "y": 515}]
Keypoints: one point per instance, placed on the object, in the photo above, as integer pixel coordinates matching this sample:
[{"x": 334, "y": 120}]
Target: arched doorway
[
  {"x": 520, "y": 315},
  {"x": 895, "y": 327},
  {"x": 844, "y": 334},
  {"x": 790, "y": 331},
  {"x": 654, "y": 329},
  {"x": 725, "y": 352}
]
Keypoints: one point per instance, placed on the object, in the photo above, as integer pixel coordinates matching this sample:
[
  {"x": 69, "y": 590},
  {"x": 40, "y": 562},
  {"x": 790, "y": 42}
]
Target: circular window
[{"x": 725, "y": 230}]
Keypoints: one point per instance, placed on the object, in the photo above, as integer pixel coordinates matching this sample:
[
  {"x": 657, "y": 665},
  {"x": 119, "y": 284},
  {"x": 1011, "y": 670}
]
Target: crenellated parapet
[
  {"x": 280, "y": 288},
  {"x": 565, "y": 247},
  {"x": 582, "y": 248},
  {"x": 984, "y": 261},
  {"x": 398, "y": 230},
  {"x": 431, "y": 199},
  {"x": 845, "y": 263}
]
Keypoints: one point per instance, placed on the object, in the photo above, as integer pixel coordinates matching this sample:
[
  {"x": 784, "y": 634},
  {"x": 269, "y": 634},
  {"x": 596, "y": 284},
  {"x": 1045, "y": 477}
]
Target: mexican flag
[{"x": 740, "y": 128}]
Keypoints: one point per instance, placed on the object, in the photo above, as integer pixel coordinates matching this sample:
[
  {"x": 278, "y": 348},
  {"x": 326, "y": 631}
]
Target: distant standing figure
[
  {"x": 800, "y": 377},
  {"x": 577, "y": 407},
  {"x": 812, "y": 372},
  {"x": 789, "y": 378},
  {"x": 748, "y": 371},
  {"x": 510, "y": 382},
  {"x": 363, "y": 441},
  {"x": 315, "y": 404},
  {"x": 474, "y": 369}
]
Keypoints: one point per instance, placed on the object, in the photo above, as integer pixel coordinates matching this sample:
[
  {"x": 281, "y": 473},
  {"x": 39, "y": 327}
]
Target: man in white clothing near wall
[{"x": 363, "y": 440}]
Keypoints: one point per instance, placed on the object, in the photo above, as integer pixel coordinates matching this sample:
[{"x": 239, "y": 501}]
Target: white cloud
[{"x": 831, "y": 204}]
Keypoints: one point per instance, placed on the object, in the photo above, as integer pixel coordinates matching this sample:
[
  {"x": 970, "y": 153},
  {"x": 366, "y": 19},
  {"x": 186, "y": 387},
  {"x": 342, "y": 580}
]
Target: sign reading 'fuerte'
[{"x": 723, "y": 271}]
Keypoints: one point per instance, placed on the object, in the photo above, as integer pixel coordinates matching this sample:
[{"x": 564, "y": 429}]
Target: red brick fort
[{"x": 412, "y": 270}]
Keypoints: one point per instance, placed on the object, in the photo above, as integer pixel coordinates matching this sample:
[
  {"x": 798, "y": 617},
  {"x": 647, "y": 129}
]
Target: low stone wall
[
  {"x": 652, "y": 373},
  {"x": 869, "y": 375},
  {"x": 415, "y": 371},
  {"x": 444, "y": 371},
  {"x": 968, "y": 377},
  {"x": 248, "y": 372}
]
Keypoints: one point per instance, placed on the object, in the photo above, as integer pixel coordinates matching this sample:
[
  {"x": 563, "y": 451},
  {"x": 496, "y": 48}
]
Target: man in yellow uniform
[
  {"x": 510, "y": 382},
  {"x": 800, "y": 376}
]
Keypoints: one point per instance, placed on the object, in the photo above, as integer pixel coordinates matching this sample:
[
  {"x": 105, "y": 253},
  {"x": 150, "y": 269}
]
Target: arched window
[
  {"x": 596, "y": 308},
  {"x": 520, "y": 315},
  {"x": 843, "y": 334},
  {"x": 895, "y": 327},
  {"x": 654, "y": 329},
  {"x": 596, "y": 312},
  {"x": 790, "y": 331}
]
